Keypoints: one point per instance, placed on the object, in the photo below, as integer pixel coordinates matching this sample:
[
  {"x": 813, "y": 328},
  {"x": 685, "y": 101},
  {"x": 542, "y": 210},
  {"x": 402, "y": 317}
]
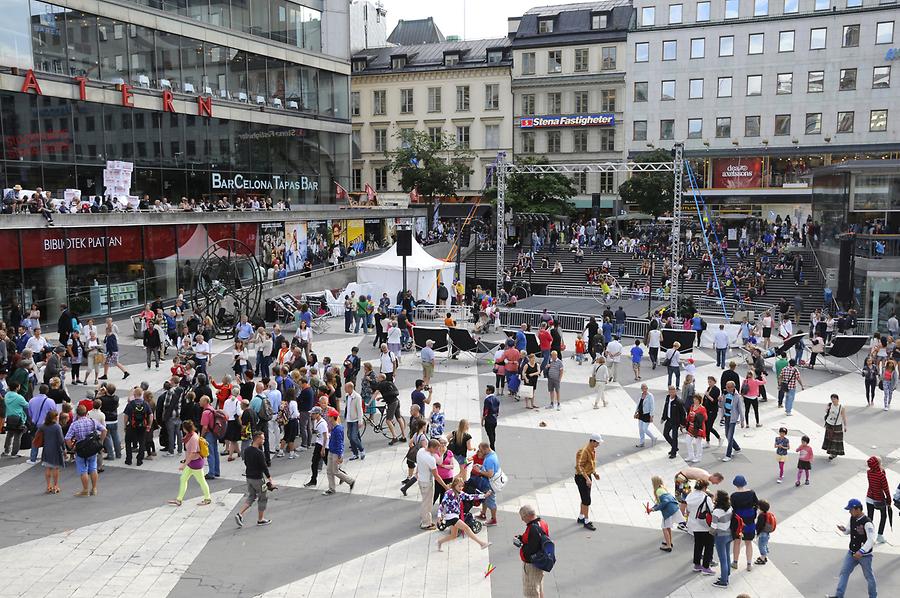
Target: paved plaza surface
[{"x": 128, "y": 542}]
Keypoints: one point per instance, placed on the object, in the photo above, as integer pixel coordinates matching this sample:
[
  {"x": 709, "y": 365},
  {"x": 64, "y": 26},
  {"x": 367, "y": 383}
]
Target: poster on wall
[
  {"x": 737, "y": 173},
  {"x": 318, "y": 242},
  {"x": 420, "y": 227},
  {"x": 390, "y": 230},
  {"x": 355, "y": 232},
  {"x": 338, "y": 232},
  {"x": 373, "y": 233},
  {"x": 295, "y": 246},
  {"x": 271, "y": 244}
]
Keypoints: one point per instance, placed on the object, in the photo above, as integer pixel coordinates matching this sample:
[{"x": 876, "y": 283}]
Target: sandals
[
  {"x": 204, "y": 502},
  {"x": 56, "y": 490},
  {"x": 175, "y": 502}
]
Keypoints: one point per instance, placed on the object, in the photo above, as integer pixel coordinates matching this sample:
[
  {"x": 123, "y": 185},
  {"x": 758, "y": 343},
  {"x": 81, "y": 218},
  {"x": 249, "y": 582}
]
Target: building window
[
  {"x": 491, "y": 136},
  {"x": 695, "y": 128},
  {"x": 406, "y": 101},
  {"x": 754, "y": 85},
  {"x": 782, "y": 124},
  {"x": 669, "y": 49},
  {"x": 579, "y": 181},
  {"x": 845, "y": 122},
  {"x": 528, "y": 63},
  {"x": 462, "y": 98},
  {"x": 815, "y": 82},
  {"x": 492, "y": 96},
  {"x": 434, "y": 99},
  {"x": 354, "y": 103},
  {"x": 607, "y": 140},
  {"x": 642, "y": 52},
  {"x": 359, "y": 66},
  {"x": 666, "y": 129},
  {"x": 755, "y": 43},
  {"x": 581, "y": 60},
  {"x": 640, "y": 130},
  {"x": 528, "y": 104},
  {"x": 528, "y": 142},
  {"x": 675, "y": 14},
  {"x": 786, "y": 41},
  {"x": 451, "y": 59},
  {"x": 581, "y": 101},
  {"x": 380, "y": 140},
  {"x": 723, "y": 127},
  {"x": 878, "y": 120},
  {"x": 667, "y": 90},
  {"x": 784, "y": 84},
  {"x": 495, "y": 56},
  {"x": 702, "y": 12},
  {"x": 598, "y": 22},
  {"x": 356, "y": 179},
  {"x": 848, "y": 80},
  {"x": 731, "y": 9},
  {"x": 398, "y": 63},
  {"x": 760, "y": 8},
  {"x": 854, "y": 3},
  {"x": 850, "y": 38},
  {"x": 695, "y": 89},
  {"x": 579, "y": 140},
  {"x": 823, "y": 5},
  {"x": 640, "y": 91},
  {"x": 608, "y": 100},
  {"x": 545, "y": 26},
  {"x": 435, "y": 134},
  {"x": 817, "y": 38},
  {"x": 554, "y": 102},
  {"x": 881, "y": 77},
  {"x": 608, "y": 58},
  {"x": 791, "y": 6},
  {"x": 726, "y": 45},
  {"x": 381, "y": 179},
  {"x": 724, "y": 87},
  {"x": 607, "y": 182},
  {"x": 813, "y": 123},
  {"x": 884, "y": 33},
  {"x": 554, "y": 61},
  {"x": 464, "y": 181},
  {"x": 379, "y": 101},
  {"x": 462, "y": 136},
  {"x": 554, "y": 142},
  {"x": 751, "y": 126},
  {"x": 698, "y": 47},
  {"x": 648, "y": 16}
]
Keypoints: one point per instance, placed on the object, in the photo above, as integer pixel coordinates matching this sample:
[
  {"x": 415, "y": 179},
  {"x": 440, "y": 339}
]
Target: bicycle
[{"x": 379, "y": 427}]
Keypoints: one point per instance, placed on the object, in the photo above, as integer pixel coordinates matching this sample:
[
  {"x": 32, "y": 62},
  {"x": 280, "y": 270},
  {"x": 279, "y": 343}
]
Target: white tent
[{"x": 422, "y": 273}]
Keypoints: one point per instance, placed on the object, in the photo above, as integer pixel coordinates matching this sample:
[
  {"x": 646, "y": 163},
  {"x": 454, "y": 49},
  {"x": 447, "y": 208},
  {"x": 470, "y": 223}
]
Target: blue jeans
[
  {"x": 356, "y": 444},
  {"x": 360, "y": 320},
  {"x": 721, "y": 355},
  {"x": 213, "y": 459},
  {"x": 620, "y": 329},
  {"x": 644, "y": 430},
  {"x": 545, "y": 359},
  {"x": 763, "y": 541},
  {"x": 674, "y": 370},
  {"x": 112, "y": 444},
  {"x": 723, "y": 552},
  {"x": 729, "y": 433},
  {"x": 789, "y": 399},
  {"x": 849, "y": 565}
]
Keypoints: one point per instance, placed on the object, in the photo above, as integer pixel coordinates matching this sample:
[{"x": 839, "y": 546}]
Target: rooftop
[
  {"x": 572, "y": 24},
  {"x": 428, "y": 57},
  {"x": 417, "y": 31}
]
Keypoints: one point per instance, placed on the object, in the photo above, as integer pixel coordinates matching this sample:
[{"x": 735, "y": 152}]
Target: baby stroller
[{"x": 465, "y": 509}]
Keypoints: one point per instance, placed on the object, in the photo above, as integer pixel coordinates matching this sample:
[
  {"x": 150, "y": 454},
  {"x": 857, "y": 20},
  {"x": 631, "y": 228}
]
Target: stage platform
[{"x": 590, "y": 306}]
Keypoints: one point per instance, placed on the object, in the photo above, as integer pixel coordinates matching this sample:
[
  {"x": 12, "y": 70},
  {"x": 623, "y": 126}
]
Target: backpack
[
  {"x": 139, "y": 416},
  {"x": 703, "y": 512},
  {"x": 745, "y": 388},
  {"x": 204, "y": 448},
  {"x": 220, "y": 423},
  {"x": 265, "y": 412},
  {"x": 283, "y": 414},
  {"x": 545, "y": 558},
  {"x": 737, "y": 526},
  {"x": 770, "y": 524}
]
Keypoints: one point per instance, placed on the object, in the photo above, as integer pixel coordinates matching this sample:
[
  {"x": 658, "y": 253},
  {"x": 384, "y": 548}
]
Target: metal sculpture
[{"x": 227, "y": 284}]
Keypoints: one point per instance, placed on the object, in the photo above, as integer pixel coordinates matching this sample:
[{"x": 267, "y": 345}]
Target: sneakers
[
  {"x": 880, "y": 539},
  {"x": 779, "y": 480},
  {"x": 279, "y": 454},
  {"x": 353, "y": 458},
  {"x": 264, "y": 522},
  {"x": 328, "y": 492},
  {"x": 239, "y": 519},
  {"x": 491, "y": 523},
  {"x": 30, "y": 462},
  {"x": 720, "y": 584},
  {"x": 697, "y": 568},
  {"x": 589, "y": 525},
  {"x": 726, "y": 459},
  {"x": 707, "y": 571},
  {"x": 310, "y": 484},
  {"x": 733, "y": 565},
  {"x": 362, "y": 456},
  {"x": 292, "y": 455}
]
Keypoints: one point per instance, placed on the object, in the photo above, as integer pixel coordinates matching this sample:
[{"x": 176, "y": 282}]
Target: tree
[
  {"x": 538, "y": 193},
  {"x": 433, "y": 167},
  {"x": 650, "y": 192}
]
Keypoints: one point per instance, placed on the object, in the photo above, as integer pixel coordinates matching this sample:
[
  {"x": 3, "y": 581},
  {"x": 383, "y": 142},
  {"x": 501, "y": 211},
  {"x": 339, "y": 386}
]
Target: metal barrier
[
  {"x": 513, "y": 318},
  {"x": 437, "y": 313}
]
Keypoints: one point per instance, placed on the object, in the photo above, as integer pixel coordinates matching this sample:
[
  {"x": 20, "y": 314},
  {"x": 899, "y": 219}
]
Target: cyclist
[{"x": 387, "y": 391}]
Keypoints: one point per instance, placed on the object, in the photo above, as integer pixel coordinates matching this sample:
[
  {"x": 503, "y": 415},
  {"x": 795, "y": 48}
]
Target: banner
[
  {"x": 295, "y": 246},
  {"x": 318, "y": 242},
  {"x": 737, "y": 173},
  {"x": 271, "y": 244},
  {"x": 356, "y": 235}
]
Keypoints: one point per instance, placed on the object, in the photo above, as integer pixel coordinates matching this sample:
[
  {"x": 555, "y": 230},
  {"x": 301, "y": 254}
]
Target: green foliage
[
  {"x": 537, "y": 193},
  {"x": 650, "y": 192},
  {"x": 433, "y": 166}
]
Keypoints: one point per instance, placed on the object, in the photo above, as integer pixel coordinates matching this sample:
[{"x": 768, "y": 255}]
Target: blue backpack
[{"x": 545, "y": 558}]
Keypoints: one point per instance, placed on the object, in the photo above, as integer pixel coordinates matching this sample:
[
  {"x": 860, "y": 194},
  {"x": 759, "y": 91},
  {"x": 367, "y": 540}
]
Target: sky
[{"x": 483, "y": 18}]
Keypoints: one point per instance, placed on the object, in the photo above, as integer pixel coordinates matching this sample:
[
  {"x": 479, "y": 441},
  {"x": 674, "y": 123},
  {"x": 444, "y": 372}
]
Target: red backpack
[
  {"x": 220, "y": 423},
  {"x": 771, "y": 523},
  {"x": 737, "y": 526}
]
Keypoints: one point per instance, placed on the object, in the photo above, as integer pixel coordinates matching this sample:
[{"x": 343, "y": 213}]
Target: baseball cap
[
  {"x": 315, "y": 411},
  {"x": 597, "y": 438},
  {"x": 739, "y": 481},
  {"x": 853, "y": 504},
  {"x": 333, "y": 413}
]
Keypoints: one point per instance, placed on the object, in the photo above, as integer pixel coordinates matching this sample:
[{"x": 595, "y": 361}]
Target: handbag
[
  {"x": 14, "y": 423},
  {"x": 38, "y": 440},
  {"x": 667, "y": 360},
  {"x": 498, "y": 481},
  {"x": 90, "y": 445},
  {"x": 592, "y": 381}
]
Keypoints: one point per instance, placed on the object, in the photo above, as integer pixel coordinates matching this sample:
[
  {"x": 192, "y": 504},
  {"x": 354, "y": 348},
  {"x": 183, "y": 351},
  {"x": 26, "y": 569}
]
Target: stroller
[{"x": 465, "y": 509}]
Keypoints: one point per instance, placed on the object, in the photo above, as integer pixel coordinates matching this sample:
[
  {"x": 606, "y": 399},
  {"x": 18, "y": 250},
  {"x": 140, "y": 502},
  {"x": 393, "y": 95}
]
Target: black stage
[{"x": 635, "y": 308}]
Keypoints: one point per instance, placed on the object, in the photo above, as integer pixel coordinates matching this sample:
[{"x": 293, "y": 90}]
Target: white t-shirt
[
  {"x": 614, "y": 351},
  {"x": 425, "y": 463},
  {"x": 387, "y": 363},
  {"x": 393, "y": 336},
  {"x": 232, "y": 407},
  {"x": 653, "y": 338},
  {"x": 202, "y": 347},
  {"x": 320, "y": 428}
]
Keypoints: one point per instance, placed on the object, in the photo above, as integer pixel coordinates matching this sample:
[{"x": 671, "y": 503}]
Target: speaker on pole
[
  {"x": 846, "y": 266},
  {"x": 404, "y": 242}
]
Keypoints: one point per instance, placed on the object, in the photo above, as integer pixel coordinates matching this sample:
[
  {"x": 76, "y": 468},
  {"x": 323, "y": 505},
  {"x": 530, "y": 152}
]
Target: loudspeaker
[
  {"x": 846, "y": 265},
  {"x": 404, "y": 242}
]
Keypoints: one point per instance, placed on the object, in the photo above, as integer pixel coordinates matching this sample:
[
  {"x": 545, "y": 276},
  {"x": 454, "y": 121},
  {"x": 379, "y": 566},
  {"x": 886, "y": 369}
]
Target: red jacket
[
  {"x": 878, "y": 484},
  {"x": 545, "y": 339},
  {"x": 532, "y": 544},
  {"x": 693, "y": 429}
]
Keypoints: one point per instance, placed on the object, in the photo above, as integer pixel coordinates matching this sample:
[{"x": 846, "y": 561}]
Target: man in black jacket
[
  {"x": 530, "y": 543},
  {"x": 258, "y": 478},
  {"x": 730, "y": 375},
  {"x": 64, "y": 325},
  {"x": 673, "y": 417}
]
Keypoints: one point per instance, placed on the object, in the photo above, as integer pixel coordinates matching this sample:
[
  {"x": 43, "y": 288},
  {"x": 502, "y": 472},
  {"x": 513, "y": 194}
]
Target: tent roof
[{"x": 419, "y": 260}]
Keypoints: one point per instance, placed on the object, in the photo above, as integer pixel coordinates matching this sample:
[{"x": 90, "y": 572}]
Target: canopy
[
  {"x": 424, "y": 272},
  {"x": 631, "y": 216}
]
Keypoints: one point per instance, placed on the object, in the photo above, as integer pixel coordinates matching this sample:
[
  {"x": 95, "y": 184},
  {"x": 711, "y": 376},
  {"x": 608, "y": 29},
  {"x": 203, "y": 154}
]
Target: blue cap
[
  {"x": 853, "y": 504},
  {"x": 739, "y": 481}
]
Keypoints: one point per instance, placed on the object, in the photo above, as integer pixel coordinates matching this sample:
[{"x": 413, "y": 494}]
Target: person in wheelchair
[{"x": 453, "y": 513}]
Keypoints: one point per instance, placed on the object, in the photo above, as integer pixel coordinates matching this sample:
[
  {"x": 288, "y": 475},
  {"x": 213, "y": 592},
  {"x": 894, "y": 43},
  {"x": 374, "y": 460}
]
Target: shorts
[
  {"x": 491, "y": 501},
  {"x": 427, "y": 369},
  {"x": 767, "y": 332},
  {"x": 670, "y": 521},
  {"x": 411, "y": 464},
  {"x": 86, "y": 465},
  {"x": 257, "y": 491},
  {"x": 782, "y": 458},
  {"x": 450, "y": 521},
  {"x": 112, "y": 358},
  {"x": 552, "y": 385},
  {"x": 291, "y": 430},
  {"x": 392, "y": 408},
  {"x": 584, "y": 489},
  {"x": 804, "y": 465}
]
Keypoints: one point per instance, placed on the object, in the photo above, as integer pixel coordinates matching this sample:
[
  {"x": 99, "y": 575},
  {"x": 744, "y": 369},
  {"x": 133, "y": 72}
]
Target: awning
[{"x": 631, "y": 216}]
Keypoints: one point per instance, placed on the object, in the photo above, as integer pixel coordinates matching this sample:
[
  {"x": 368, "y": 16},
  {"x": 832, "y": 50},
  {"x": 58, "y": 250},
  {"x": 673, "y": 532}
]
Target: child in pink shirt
[{"x": 806, "y": 457}]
